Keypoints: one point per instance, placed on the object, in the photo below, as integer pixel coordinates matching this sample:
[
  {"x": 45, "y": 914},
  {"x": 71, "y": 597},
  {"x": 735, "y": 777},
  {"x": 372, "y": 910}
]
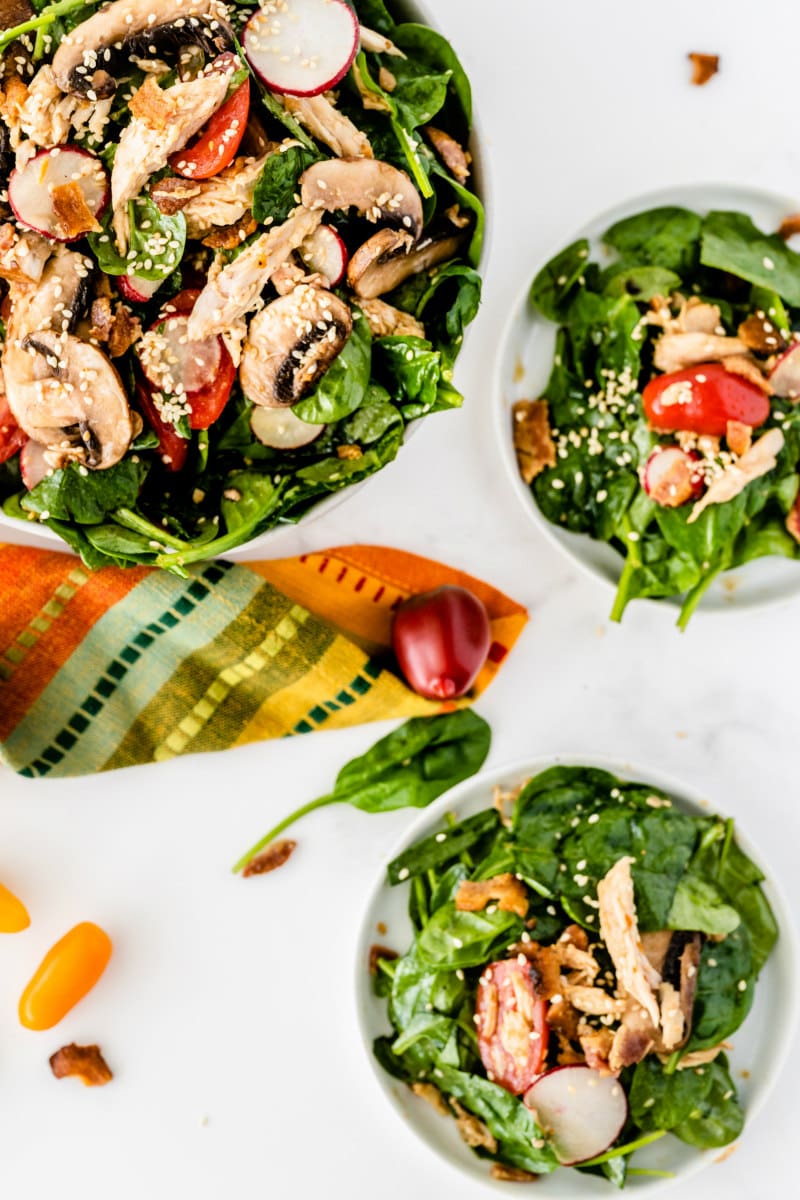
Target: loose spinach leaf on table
[{"x": 408, "y": 768}]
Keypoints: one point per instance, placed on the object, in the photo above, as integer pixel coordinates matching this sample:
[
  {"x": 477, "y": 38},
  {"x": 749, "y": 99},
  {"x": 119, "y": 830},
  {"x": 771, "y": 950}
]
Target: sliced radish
[
  {"x": 139, "y": 290},
  {"x": 175, "y": 365},
  {"x": 324, "y": 251},
  {"x": 281, "y": 429},
  {"x": 785, "y": 375},
  {"x": 30, "y": 189},
  {"x": 671, "y": 476},
  {"x": 301, "y": 47},
  {"x": 581, "y": 1111},
  {"x": 32, "y": 464}
]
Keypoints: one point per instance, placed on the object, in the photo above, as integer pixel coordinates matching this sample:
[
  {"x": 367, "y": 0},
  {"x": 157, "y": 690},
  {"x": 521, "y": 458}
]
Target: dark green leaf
[
  {"x": 344, "y": 385},
  {"x": 278, "y": 185},
  {"x": 155, "y": 238},
  {"x": 664, "y": 237},
  {"x": 731, "y": 242}
]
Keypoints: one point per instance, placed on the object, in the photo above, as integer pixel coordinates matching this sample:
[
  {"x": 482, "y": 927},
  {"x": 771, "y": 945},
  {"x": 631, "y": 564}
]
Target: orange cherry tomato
[
  {"x": 13, "y": 913},
  {"x": 66, "y": 973}
]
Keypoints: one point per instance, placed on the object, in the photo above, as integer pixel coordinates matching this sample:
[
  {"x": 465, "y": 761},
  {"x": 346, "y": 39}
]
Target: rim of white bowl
[{"x": 786, "y": 959}]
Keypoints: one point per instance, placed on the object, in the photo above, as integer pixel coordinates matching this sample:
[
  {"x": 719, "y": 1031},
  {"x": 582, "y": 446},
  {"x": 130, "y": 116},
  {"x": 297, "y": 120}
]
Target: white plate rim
[
  {"x": 721, "y": 597},
  {"x": 786, "y": 956}
]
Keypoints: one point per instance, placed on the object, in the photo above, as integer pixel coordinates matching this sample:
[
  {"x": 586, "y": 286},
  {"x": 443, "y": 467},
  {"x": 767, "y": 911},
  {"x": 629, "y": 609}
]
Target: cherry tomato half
[
  {"x": 13, "y": 913},
  {"x": 66, "y": 973},
  {"x": 511, "y": 1025},
  {"x": 215, "y": 146},
  {"x": 702, "y": 400},
  {"x": 12, "y": 438},
  {"x": 207, "y": 402},
  {"x": 171, "y": 446}
]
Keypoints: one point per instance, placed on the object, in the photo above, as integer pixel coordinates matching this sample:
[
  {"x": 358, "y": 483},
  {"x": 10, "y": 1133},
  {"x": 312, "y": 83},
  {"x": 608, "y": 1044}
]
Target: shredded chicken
[
  {"x": 582, "y": 966},
  {"x": 620, "y": 931},
  {"x": 373, "y": 101},
  {"x": 699, "y": 1058},
  {"x": 226, "y": 198},
  {"x": 41, "y": 113},
  {"x": 533, "y": 442},
  {"x": 323, "y": 120},
  {"x": 594, "y": 1001},
  {"x": 748, "y": 368},
  {"x": 633, "y": 1040},
  {"x": 509, "y": 893},
  {"x": 506, "y": 1174},
  {"x": 676, "y": 351},
  {"x": 759, "y": 459},
  {"x": 672, "y": 1022},
  {"x": 596, "y": 1045},
  {"x": 431, "y": 1095},
  {"x": 386, "y": 321}
]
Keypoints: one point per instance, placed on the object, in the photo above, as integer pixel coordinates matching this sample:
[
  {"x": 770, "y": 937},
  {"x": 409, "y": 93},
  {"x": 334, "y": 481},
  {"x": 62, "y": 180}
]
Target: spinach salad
[
  {"x": 236, "y": 265},
  {"x": 669, "y": 426},
  {"x": 582, "y": 952}
]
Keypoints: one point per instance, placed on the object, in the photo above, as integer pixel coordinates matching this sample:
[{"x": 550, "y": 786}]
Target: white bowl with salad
[
  {"x": 646, "y": 399},
  {"x": 238, "y": 252},
  {"x": 576, "y": 973}
]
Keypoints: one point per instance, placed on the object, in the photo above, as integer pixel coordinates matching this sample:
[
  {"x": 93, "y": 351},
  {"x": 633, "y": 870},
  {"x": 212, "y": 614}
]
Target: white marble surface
[{"x": 227, "y": 1011}]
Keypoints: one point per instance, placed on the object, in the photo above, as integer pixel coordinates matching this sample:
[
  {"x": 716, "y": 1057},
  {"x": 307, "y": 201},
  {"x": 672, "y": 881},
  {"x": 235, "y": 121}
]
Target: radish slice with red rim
[
  {"x": 281, "y": 429},
  {"x": 581, "y": 1111},
  {"x": 302, "y": 47},
  {"x": 30, "y": 188},
  {"x": 671, "y": 476},
  {"x": 32, "y": 464},
  {"x": 175, "y": 365},
  {"x": 324, "y": 252},
  {"x": 139, "y": 290}
]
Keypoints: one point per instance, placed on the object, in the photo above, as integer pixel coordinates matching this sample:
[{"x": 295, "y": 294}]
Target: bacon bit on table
[
  {"x": 789, "y": 226},
  {"x": 376, "y": 952},
  {"x": 270, "y": 859},
  {"x": 704, "y": 67},
  {"x": 84, "y": 1062}
]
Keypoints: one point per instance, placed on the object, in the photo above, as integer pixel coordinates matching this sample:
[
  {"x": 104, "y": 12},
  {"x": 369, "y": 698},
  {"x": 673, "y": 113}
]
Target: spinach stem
[
  {"x": 320, "y": 802},
  {"x": 629, "y": 1148},
  {"x": 632, "y": 564},
  {"x": 41, "y": 21},
  {"x": 648, "y": 1171},
  {"x": 671, "y": 1065},
  {"x": 132, "y": 520},
  {"x": 695, "y": 596}
]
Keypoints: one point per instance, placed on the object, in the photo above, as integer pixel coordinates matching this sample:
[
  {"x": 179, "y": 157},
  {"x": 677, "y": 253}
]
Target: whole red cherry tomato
[
  {"x": 702, "y": 400},
  {"x": 441, "y": 639},
  {"x": 218, "y": 140},
  {"x": 511, "y": 1022}
]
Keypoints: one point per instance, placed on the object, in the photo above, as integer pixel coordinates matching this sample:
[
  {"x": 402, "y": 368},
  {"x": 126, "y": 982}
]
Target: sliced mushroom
[
  {"x": 89, "y": 57},
  {"x": 290, "y": 345},
  {"x": 382, "y": 264},
  {"x": 379, "y": 191},
  {"x": 72, "y": 401}
]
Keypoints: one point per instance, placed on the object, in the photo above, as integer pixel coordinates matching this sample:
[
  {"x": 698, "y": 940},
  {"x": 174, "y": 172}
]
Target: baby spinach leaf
[
  {"x": 418, "y": 94},
  {"x": 278, "y": 185},
  {"x": 725, "y": 989},
  {"x": 698, "y": 1104},
  {"x": 643, "y": 283},
  {"x": 520, "y": 1141},
  {"x": 67, "y": 495},
  {"x": 371, "y": 421},
  {"x": 699, "y": 905},
  {"x": 375, "y": 15},
  {"x": 343, "y": 386},
  {"x": 452, "y": 939},
  {"x": 408, "y": 768},
  {"x": 410, "y": 369},
  {"x": 425, "y": 45},
  {"x": 554, "y": 287},
  {"x": 436, "y": 850},
  {"x": 731, "y": 242},
  {"x": 156, "y": 240},
  {"x": 664, "y": 237}
]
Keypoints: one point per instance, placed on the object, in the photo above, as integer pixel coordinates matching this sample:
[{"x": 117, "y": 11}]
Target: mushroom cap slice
[
  {"x": 71, "y": 400},
  {"x": 379, "y": 191},
  {"x": 380, "y": 265},
  {"x": 290, "y": 345},
  {"x": 85, "y": 60}
]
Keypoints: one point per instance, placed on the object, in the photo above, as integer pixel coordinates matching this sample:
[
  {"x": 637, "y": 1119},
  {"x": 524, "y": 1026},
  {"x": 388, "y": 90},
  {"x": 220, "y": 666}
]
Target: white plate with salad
[
  {"x": 576, "y": 973},
  {"x": 646, "y": 399},
  {"x": 238, "y": 254}
]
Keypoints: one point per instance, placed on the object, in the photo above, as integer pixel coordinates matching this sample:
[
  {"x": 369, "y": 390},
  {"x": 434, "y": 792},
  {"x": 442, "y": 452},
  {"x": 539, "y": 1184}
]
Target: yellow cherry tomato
[
  {"x": 66, "y": 973},
  {"x": 13, "y": 913}
]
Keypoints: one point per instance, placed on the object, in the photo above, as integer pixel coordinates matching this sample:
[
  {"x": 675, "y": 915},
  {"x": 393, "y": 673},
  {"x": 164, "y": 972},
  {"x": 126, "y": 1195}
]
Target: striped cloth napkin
[{"x": 118, "y": 667}]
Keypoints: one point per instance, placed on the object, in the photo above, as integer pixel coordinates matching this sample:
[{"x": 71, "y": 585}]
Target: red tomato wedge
[
  {"x": 215, "y": 146},
  {"x": 12, "y": 438},
  {"x": 171, "y": 446},
  {"x": 206, "y": 368},
  {"x": 511, "y": 1023},
  {"x": 703, "y": 399}
]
